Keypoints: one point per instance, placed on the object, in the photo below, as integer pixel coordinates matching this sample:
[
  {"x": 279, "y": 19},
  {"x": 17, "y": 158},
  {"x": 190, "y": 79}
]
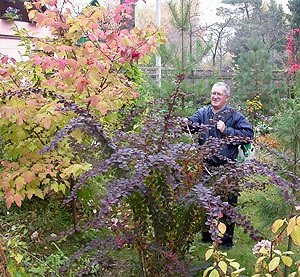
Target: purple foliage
[{"x": 160, "y": 190}]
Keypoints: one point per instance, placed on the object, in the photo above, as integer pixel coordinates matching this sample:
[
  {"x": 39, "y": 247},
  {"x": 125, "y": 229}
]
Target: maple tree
[{"x": 87, "y": 62}]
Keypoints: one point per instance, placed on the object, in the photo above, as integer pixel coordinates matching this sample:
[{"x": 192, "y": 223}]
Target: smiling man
[{"x": 220, "y": 120}]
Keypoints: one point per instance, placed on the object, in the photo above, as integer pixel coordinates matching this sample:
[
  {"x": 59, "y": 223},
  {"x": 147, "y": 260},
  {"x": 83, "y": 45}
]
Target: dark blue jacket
[{"x": 236, "y": 125}]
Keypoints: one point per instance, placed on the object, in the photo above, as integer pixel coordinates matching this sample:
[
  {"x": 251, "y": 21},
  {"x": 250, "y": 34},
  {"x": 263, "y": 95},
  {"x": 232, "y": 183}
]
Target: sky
[
  {"x": 212, "y": 4},
  {"x": 208, "y": 7}
]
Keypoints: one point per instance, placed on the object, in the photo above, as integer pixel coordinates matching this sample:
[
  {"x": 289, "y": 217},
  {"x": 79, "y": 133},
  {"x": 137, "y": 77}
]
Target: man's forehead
[{"x": 218, "y": 88}]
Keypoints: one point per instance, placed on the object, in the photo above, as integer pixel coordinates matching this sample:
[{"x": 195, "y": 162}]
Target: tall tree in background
[
  {"x": 266, "y": 21},
  {"x": 186, "y": 19},
  {"x": 180, "y": 15},
  {"x": 294, "y": 7},
  {"x": 217, "y": 34},
  {"x": 254, "y": 74},
  {"x": 294, "y": 35}
]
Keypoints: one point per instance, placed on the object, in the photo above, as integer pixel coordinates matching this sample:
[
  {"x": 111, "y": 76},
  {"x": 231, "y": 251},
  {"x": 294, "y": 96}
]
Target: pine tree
[
  {"x": 294, "y": 7},
  {"x": 254, "y": 74}
]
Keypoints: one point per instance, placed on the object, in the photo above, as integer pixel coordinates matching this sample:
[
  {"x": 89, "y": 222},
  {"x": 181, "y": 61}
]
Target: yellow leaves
[
  {"x": 18, "y": 257},
  {"x": 291, "y": 225},
  {"x": 287, "y": 228},
  {"x": 54, "y": 186},
  {"x": 295, "y": 235},
  {"x": 75, "y": 169},
  {"x": 19, "y": 183},
  {"x": 214, "y": 273},
  {"x": 222, "y": 227},
  {"x": 211, "y": 271},
  {"x": 288, "y": 261},
  {"x": 208, "y": 254},
  {"x": 35, "y": 191},
  {"x": 90, "y": 71},
  {"x": 77, "y": 134},
  {"x": 277, "y": 225},
  {"x": 292, "y": 228},
  {"x": 234, "y": 264},
  {"x": 26, "y": 178},
  {"x": 75, "y": 27},
  {"x": 274, "y": 263},
  {"x": 223, "y": 266}
]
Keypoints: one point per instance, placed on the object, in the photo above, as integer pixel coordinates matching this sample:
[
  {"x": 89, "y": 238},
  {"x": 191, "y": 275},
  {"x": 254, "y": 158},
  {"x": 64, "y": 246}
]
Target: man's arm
[
  {"x": 193, "y": 122},
  {"x": 241, "y": 127}
]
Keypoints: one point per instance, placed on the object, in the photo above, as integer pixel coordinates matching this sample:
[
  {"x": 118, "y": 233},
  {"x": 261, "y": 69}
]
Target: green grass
[{"x": 262, "y": 208}]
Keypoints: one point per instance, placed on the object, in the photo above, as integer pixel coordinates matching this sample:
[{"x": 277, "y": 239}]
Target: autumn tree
[
  {"x": 293, "y": 37},
  {"x": 88, "y": 62}
]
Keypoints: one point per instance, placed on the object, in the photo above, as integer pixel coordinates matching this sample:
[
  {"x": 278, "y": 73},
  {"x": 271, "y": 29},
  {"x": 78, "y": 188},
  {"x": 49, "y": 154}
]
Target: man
[{"x": 222, "y": 121}]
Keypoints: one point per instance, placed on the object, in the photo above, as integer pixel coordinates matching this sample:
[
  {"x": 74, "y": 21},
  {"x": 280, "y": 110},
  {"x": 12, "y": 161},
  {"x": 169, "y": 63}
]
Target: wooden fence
[{"x": 197, "y": 74}]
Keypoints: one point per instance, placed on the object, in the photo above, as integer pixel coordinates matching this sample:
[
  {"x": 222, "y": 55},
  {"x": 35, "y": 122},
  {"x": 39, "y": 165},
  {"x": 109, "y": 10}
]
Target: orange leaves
[
  {"x": 18, "y": 198},
  {"x": 85, "y": 62},
  {"x": 19, "y": 180},
  {"x": 28, "y": 176},
  {"x": 96, "y": 102},
  {"x": 13, "y": 197},
  {"x": 269, "y": 140}
]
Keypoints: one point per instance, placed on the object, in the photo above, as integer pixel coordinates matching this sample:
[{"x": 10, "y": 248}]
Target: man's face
[{"x": 218, "y": 97}]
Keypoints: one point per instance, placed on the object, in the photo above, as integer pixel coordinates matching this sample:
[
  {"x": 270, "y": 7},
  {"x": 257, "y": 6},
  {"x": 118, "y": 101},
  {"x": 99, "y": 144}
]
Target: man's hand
[
  {"x": 185, "y": 120},
  {"x": 221, "y": 126},
  {"x": 185, "y": 125}
]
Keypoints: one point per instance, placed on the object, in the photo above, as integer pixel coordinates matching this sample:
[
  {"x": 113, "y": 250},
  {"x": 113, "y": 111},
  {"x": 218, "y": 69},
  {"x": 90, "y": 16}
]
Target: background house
[{"x": 9, "y": 41}]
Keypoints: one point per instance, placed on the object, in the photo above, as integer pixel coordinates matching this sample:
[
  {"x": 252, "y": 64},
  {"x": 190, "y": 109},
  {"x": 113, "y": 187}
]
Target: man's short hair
[{"x": 225, "y": 86}]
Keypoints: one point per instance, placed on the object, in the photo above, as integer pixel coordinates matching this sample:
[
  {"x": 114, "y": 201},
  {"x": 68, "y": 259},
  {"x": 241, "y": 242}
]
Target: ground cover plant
[{"x": 133, "y": 179}]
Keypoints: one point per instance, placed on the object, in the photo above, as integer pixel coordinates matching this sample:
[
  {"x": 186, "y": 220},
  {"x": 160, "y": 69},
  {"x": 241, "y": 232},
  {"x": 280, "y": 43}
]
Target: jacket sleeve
[
  {"x": 239, "y": 127},
  {"x": 195, "y": 121},
  {"x": 197, "y": 117}
]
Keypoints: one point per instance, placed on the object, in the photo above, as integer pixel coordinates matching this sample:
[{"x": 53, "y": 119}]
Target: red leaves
[
  {"x": 81, "y": 83},
  {"x": 292, "y": 51},
  {"x": 131, "y": 54},
  {"x": 66, "y": 74}
]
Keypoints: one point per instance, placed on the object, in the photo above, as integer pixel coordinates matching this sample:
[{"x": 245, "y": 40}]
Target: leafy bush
[{"x": 159, "y": 191}]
